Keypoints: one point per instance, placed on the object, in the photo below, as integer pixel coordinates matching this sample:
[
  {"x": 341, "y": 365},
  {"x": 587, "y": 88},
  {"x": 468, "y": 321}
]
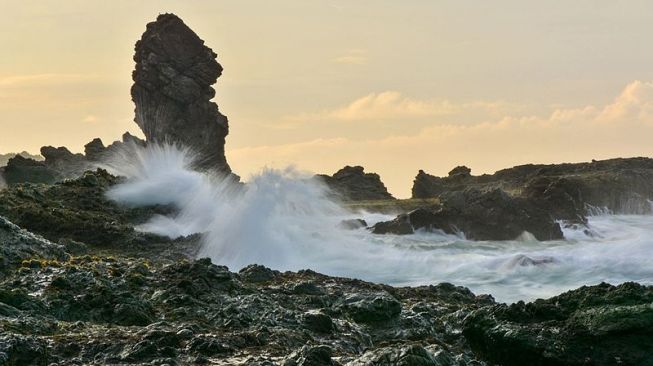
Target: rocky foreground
[{"x": 83, "y": 287}]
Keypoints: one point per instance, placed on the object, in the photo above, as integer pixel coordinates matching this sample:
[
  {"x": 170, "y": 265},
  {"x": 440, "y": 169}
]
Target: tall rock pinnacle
[{"x": 172, "y": 91}]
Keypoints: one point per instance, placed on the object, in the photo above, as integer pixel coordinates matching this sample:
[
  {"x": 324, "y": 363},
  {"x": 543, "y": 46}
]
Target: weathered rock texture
[
  {"x": 527, "y": 198},
  {"x": 64, "y": 162},
  {"x": 77, "y": 210},
  {"x": 172, "y": 91},
  {"x": 17, "y": 244},
  {"x": 620, "y": 185},
  {"x": 20, "y": 169},
  {"x": 4, "y": 158},
  {"x": 491, "y": 215},
  {"x": 353, "y": 184},
  {"x": 597, "y": 325}
]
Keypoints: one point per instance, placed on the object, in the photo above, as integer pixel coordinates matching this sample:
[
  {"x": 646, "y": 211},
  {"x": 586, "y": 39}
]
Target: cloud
[
  {"x": 352, "y": 57},
  {"x": 621, "y": 128},
  {"x": 90, "y": 119},
  {"x": 394, "y": 106}
]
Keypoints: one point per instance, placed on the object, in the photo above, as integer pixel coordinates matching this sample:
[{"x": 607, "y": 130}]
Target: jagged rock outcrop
[
  {"x": 60, "y": 163},
  {"x": 491, "y": 215},
  {"x": 620, "y": 185},
  {"x": 597, "y": 325},
  {"x": 351, "y": 183},
  {"x": 95, "y": 151},
  {"x": 17, "y": 245},
  {"x": 427, "y": 186},
  {"x": 4, "y": 158},
  {"x": 172, "y": 91},
  {"x": 78, "y": 210},
  {"x": 20, "y": 169},
  {"x": 64, "y": 162}
]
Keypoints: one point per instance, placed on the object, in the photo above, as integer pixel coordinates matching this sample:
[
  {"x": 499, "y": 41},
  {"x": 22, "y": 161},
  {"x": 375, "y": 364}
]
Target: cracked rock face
[{"x": 172, "y": 91}]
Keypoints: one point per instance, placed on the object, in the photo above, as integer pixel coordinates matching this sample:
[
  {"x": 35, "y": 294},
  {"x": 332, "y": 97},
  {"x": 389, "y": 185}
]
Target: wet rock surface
[
  {"x": 93, "y": 290},
  {"x": 172, "y": 91},
  {"x": 78, "y": 210},
  {"x": 530, "y": 198},
  {"x": 98, "y": 309},
  {"x": 351, "y": 183},
  {"x": 491, "y": 215},
  {"x": 146, "y": 309},
  {"x": 597, "y": 325}
]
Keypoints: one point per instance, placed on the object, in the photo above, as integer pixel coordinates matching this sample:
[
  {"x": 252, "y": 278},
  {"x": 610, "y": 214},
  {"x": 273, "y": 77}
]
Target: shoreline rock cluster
[
  {"x": 80, "y": 286},
  {"x": 69, "y": 297},
  {"x": 532, "y": 198}
]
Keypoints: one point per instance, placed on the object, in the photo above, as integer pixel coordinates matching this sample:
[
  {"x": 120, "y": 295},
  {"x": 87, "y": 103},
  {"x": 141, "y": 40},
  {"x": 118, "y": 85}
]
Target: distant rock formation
[
  {"x": 4, "y": 158},
  {"x": 95, "y": 150},
  {"x": 64, "y": 162},
  {"x": 353, "y": 184},
  {"x": 568, "y": 190},
  {"x": 172, "y": 91},
  {"x": 427, "y": 186},
  {"x": 60, "y": 163},
  {"x": 20, "y": 169}
]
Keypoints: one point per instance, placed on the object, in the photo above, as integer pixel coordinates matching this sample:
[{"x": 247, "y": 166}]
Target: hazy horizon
[{"x": 394, "y": 87}]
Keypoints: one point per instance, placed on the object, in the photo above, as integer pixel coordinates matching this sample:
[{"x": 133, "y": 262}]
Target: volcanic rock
[
  {"x": 94, "y": 150},
  {"x": 172, "y": 91},
  {"x": 17, "y": 245},
  {"x": 353, "y": 184},
  {"x": 492, "y": 215},
  {"x": 427, "y": 186},
  {"x": 76, "y": 209},
  {"x": 597, "y": 325},
  {"x": 64, "y": 162},
  {"x": 20, "y": 169},
  {"x": 567, "y": 191}
]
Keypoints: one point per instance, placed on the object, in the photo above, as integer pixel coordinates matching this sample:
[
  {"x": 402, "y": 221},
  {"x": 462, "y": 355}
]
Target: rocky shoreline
[
  {"x": 79, "y": 285},
  {"x": 83, "y": 287}
]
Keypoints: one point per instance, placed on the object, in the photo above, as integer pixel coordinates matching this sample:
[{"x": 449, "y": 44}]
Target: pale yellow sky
[{"x": 395, "y": 86}]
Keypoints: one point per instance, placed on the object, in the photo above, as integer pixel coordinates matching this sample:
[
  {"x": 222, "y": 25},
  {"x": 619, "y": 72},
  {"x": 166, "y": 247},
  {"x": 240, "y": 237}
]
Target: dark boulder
[
  {"x": 427, "y": 186},
  {"x": 17, "y": 245},
  {"x": 411, "y": 355},
  {"x": 596, "y": 325},
  {"x": 76, "y": 209},
  {"x": 94, "y": 150},
  {"x": 460, "y": 172},
  {"x": 371, "y": 308},
  {"x": 64, "y": 162},
  {"x": 20, "y": 169},
  {"x": 492, "y": 215},
  {"x": 318, "y": 322},
  {"x": 172, "y": 91},
  {"x": 256, "y": 273},
  {"x": 351, "y": 183},
  {"x": 311, "y": 356}
]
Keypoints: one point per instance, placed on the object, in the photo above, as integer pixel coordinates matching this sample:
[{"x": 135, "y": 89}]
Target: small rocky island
[{"x": 79, "y": 285}]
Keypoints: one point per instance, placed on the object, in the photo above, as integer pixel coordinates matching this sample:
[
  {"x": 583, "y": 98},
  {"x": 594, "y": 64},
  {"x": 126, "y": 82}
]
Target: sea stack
[{"x": 172, "y": 91}]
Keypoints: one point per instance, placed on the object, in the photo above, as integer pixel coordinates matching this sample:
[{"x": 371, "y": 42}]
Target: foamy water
[{"x": 285, "y": 221}]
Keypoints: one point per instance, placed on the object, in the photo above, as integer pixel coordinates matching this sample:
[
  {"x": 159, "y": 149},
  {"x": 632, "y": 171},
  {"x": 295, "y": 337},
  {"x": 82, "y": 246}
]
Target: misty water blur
[{"x": 285, "y": 220}]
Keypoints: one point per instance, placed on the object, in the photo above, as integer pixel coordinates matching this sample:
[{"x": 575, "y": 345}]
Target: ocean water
[{"x": 285, "y": 221}]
